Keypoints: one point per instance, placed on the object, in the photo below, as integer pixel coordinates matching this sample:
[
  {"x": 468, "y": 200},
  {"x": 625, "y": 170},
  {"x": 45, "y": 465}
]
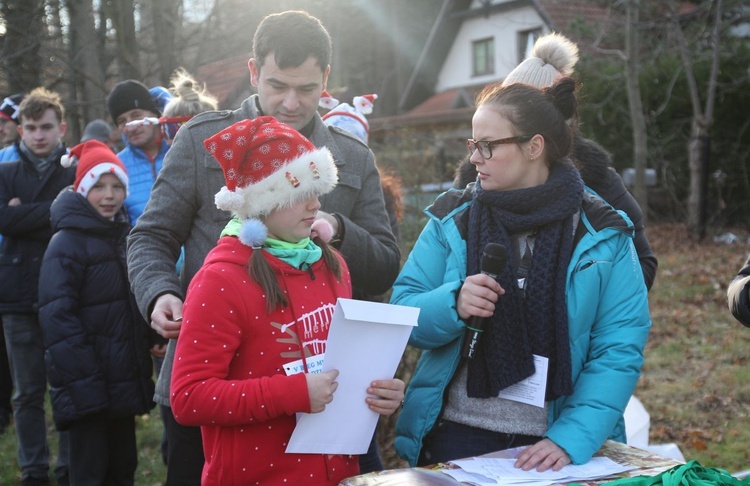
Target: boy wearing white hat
[{"x": 96, "y": 342}]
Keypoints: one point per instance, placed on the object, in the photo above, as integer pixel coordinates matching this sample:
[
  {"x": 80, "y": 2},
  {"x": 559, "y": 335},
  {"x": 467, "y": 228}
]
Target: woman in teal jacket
[{"x": 571, "y": 293}]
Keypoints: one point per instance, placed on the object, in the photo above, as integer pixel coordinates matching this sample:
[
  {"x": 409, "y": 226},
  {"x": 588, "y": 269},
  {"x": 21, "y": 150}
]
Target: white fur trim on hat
[
  {"x": 311, "y": 174},
  {"x": 96, "y": 172}
]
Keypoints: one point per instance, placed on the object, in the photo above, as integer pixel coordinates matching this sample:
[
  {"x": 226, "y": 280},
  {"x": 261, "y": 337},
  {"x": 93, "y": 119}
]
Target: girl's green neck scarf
[{"x": 299, "y": 255}]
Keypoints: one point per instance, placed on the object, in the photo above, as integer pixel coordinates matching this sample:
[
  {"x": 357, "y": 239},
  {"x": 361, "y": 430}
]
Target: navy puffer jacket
[{"x": 96, "y": 343}]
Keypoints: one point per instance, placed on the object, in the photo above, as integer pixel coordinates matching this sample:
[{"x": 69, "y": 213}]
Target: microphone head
[{"x": 494, "y": 257}]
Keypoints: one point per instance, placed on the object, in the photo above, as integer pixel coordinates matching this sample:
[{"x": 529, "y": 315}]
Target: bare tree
[
  {"x": 167, "y": 21},
  {"x": 703, "y": 118},
  {"x": 20, "y": 58},
  {"x": 122, "y": 15},
  {"x": 640, "y": 137},
  {"x": 87, "y": 72}
]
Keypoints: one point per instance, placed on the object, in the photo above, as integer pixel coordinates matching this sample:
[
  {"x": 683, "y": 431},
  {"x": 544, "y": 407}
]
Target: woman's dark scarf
[{"x": 536, "y": 323}]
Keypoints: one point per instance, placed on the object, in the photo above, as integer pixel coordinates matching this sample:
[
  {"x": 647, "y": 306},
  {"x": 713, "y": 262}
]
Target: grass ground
[{"x": 695, "y": 383}]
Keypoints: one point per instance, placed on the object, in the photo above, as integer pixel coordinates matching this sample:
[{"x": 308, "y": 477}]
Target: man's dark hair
[{"x": 292, "y": 36}]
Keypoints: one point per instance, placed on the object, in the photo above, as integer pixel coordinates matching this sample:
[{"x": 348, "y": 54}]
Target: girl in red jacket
[{"x": 264, "y": 299}]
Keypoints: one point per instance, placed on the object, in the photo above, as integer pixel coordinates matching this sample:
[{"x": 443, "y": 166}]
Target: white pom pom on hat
[
  {"x": 68, "y": 160},
  {"x": 552, "y": 56}
]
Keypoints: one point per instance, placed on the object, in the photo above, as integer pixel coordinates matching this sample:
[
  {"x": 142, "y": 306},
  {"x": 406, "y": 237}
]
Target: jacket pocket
[{"x": 11, "y": 276}]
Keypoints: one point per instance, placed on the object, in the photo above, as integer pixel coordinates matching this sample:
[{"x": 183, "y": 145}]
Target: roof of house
[
  {"x": 559, "y": 15},
  {"x": 455, "y": 105}
]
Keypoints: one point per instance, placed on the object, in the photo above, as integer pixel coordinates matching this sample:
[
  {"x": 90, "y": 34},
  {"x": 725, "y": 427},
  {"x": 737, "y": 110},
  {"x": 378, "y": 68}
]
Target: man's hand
[
  {"x": 158, "y": 350},
  {"x": 166, "y": 318},
  {"x": 477, "y": 296},
  {"x": 388, "y": 396},
  {"x": 16, "y": 201},
  {"x": 543, "y": 455},
  {"x": 321, "y": 387}
]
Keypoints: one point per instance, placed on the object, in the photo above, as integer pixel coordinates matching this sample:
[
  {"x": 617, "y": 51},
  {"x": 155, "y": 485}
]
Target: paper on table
[
  {"x": 474, "y": 479},
  {"x": 365, "y": 343},
  {"x": 503, "y": 469}
]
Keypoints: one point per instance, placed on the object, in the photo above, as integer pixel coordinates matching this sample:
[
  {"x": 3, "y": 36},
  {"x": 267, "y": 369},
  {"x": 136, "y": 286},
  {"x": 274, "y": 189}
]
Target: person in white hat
[
  {"x": 290, "y": 66},
  {"x": 552, "y": 57},
  {"x": 264, "y": 299},
  {"x": 96, "y": 343}
]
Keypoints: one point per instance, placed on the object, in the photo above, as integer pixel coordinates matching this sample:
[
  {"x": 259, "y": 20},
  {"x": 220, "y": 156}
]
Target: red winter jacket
[{"x": 228, "y": 374}]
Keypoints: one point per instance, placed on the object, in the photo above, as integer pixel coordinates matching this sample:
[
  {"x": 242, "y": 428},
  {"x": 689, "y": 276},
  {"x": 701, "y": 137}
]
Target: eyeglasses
[{"x": 485, "y": 146}]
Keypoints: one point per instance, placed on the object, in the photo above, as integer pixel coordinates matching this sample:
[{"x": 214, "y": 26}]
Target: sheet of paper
[
  {"x": 365, "y": 343},
  {"x": 531, "y": 390},
  {"x": 465, "y": 477},
  {"x": 501, "y": 469}
]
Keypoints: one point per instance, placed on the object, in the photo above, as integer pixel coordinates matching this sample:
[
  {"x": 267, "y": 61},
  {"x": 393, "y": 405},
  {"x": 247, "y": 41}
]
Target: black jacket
[
  {"x": 595, "y": 166},
  {"x": 96, "y": 342},
  {"x": 26, "y": 228},
  {"x": 737, "y": 295}
]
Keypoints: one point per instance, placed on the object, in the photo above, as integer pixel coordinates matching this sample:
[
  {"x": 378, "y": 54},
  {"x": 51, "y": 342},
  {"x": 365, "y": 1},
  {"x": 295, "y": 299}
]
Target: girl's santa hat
[
  {"x": 267, "y": 165},
  {"x": 94, "y": 159},
  {"x": 348, "y": 117}
]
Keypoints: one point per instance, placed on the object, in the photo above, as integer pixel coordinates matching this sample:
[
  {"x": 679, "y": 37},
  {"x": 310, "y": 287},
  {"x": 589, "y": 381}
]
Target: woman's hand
[
  {"x": 388, "y": 396},
  {"x": 321, "y": 387},
  {"x": 543, "y": 455},
  {"x": 477, "y": 296}
]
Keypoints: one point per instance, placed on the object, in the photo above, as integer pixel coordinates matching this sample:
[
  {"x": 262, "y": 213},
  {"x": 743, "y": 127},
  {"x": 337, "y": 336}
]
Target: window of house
[
  {"x": 526, "y": 40},
  {"x": 483, "y": 53}
]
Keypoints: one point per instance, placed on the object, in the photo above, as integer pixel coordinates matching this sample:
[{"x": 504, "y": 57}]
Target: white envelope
[{"x": 365, "y": 343}]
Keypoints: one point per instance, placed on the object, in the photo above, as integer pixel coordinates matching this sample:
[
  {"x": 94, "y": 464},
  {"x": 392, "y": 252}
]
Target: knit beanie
[
  {"x": 551, "y": 57},
  {"x": 267, "y": 165},
  {"x": 347, "y": 117},
  {"x": 130, "y": 95},
  {"x": 161, "y": 97},
  {"x": 94, "y": 159},
  {"x": 97, "y": 130},
  {"x": 9, "y": 107}
]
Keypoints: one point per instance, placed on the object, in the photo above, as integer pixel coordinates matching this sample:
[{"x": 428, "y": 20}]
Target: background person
[
  {"x": 570, "y": 292},
  {"x": 552, "y": 57},
  {"x": 96, "y": 342},
  {"x": 290, "y": 66},
  {"x": 145, "y": 147},
  {"x": 100, "y": 130},
  {"x": 284, "y": 276},
  {"x": 27, "y": 188},
  {"x": 738, "y": 299},
  {"x": 9, "y": 135}
]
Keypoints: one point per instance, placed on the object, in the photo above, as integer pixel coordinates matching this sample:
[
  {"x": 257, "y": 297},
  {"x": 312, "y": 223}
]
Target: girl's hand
[
  {"x": 321, "y": 387},
  {"x": 388, "y": 396},
  {"x": 543, "y": 455},
  {"x": 477, "y": 296}
]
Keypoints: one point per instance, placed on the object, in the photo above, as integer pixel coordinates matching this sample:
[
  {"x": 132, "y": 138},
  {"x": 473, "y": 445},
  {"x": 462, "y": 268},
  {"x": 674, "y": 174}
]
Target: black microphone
[{"x": 494, "y": 257}]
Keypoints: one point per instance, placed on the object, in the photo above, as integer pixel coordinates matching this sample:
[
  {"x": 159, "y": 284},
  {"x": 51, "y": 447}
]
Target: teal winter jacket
[{"x": 607, "y": 313}]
